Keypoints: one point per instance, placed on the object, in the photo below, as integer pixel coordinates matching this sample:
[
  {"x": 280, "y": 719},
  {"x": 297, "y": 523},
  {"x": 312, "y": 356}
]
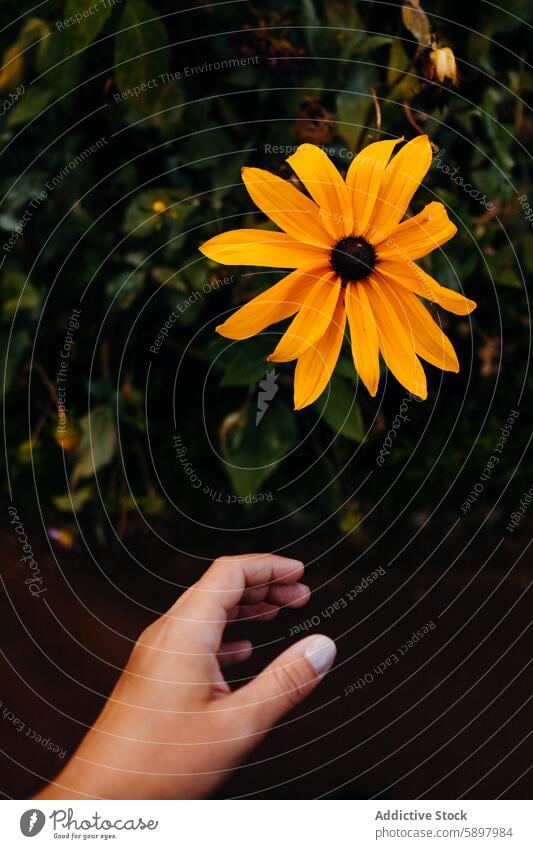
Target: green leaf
[
  {"x": 508, "y": 277},
  {"x": 371, "y": 43},
  {"x": 405, "y": 87},
  {"x": 35, "y": 100},
  {"x": 252, "y": 452},
  {"x": 207, "y": 148},
  {"x": 151, "y": 504},
  {"x": 228, "y": 175},
  {"x": 247, "y": 363},
  {"x": 344, "y": 43},
  {"x": 19, "y": 294},
  {"x": 343, "y": 14},
  {"x": 345, "y": 368},
  {"x": 82, "y": 32},
  {"x": 142, "y": 54},
  {"x": 98, "y": 443},
  {"x": 310, "y": 20},
  {"x": 64, "y": 71},
  {"x": 340, "y": 410},
  {"x": 34, "y": 30},
  {"x": 352, "y": 111},
  {"x": 166, "y": 109},
  {"x": 501, "y": 135},
  {"x": 61, "y": 54},
  {"x": 353, "y": 106},
  {"x": 74, "y": 501}
]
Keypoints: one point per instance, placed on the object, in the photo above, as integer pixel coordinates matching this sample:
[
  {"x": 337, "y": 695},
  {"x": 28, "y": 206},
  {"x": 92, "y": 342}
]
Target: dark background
[
  {"x": 115, "y": 524},
  {"x": 452, "y": 719}
]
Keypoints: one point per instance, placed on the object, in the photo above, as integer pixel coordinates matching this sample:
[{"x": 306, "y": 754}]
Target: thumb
[{"x": 286, "y": 682}]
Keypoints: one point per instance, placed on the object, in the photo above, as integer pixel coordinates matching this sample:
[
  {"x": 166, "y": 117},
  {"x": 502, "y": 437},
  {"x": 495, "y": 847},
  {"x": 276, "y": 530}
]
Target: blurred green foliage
[{"x": 180, "y": 101}]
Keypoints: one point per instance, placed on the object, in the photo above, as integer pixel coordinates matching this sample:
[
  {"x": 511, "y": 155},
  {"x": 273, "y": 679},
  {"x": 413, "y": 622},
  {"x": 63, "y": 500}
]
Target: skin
[{"x": 172, "y": 728}]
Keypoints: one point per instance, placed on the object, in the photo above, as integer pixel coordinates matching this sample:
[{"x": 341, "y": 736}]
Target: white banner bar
[{"x": 264, "y": 824}]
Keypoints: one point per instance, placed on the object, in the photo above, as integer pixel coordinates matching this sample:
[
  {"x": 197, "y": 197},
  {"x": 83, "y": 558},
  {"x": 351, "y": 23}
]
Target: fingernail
[{"x": 321, "y": 653}]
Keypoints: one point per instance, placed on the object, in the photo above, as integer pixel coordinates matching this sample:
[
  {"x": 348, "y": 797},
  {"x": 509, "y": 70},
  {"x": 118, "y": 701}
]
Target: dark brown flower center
[{"x": 353, "y": 258}]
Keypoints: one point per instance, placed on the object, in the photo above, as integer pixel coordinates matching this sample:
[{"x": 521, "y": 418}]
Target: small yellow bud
[
  {"x": 159, "y": 206},
  {"x": 442, "y": 65}
]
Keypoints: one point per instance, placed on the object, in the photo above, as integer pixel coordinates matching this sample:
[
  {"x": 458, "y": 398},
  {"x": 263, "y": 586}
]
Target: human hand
[{"x": 172, "y": 728}]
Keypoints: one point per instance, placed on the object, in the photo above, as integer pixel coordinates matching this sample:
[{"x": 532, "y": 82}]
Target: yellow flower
[
  {"x": 352, "y": 259},
  {"x": 159, "y": 206}
]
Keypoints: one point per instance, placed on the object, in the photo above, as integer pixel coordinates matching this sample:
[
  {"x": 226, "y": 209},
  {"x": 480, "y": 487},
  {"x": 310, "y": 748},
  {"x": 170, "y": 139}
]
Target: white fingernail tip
[{"x": 321, "y": 653}]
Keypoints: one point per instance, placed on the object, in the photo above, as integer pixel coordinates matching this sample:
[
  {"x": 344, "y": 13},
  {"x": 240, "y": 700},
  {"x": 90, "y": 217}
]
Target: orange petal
[
  {"x": 402, "y": 178},
  {"x": 311, "y": 322},
  {"x": 261, "y": 247},
  {"x": 363, "y": 334},
  {"x": 315, "y": 367},
  {"x": 430, "y": 342},
  {"x": 397, "y": 344},
  {"x": 419, "y": 235},
  {"x": 326, "y": 186},
  {"x": 412, "y": 277},
  {"x": 364, "y": 179},
  {"x": 287, "y": 207},
  {"x": 275, "y": 304}
]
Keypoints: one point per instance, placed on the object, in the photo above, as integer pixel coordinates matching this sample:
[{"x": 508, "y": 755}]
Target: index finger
[{"x": 208, "y": 602}]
